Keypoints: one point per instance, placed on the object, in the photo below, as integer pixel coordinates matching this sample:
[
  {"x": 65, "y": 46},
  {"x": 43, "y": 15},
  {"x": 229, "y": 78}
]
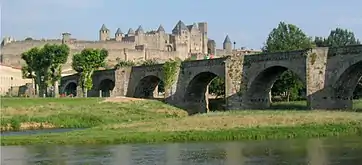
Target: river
[{"x": 344, "y": 151}]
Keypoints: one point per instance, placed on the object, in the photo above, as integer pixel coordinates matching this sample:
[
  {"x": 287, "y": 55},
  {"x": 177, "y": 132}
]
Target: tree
[
  {"x": 217, "y": 87},
  {"x": 340, "y": 37},
  {"x": 31, "y": 69},
  {"x": 43, "y": 65},
  {"x": 287, "y": 37},
  {"x": 337, "y": 37},
  {"x": 58, "y": 55},
  {"x": 28, "y": 70},
  {"x": 86, "y": 63}
]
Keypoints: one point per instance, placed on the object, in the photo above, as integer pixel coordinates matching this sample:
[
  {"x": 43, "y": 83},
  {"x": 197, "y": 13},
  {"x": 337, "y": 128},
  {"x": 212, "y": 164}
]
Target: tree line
[
  {"x": 44, "y": 65},
  {"x": 288, "y": 37}
]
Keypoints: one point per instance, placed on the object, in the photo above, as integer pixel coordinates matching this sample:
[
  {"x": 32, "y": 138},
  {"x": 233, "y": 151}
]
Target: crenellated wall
[
  {"x": 184, "y": 42},
  {"x": 11, "y": 52}
]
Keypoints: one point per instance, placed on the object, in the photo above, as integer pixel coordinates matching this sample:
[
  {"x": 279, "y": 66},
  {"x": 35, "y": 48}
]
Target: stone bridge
[{"x": 329, "y": 74}]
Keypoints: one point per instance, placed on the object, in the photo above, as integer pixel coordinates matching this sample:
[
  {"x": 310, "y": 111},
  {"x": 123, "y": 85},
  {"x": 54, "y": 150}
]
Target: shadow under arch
[
  {"x": 146, "y": 87},
  {"x": 346, "y": 84},
  {"x": 106, "y": 86},
  {"x": 257, "y": 95},
  {"x": 70, "y": 89},
  {"x": 196, "y": 94}
]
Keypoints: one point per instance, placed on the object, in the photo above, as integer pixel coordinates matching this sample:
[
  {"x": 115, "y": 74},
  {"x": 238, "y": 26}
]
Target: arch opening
[
  {"x": 149, "y": 87},
  {"x": 277, "y": 87},
  {"x": 106, "y": 87},
  {"x": 198, "y": 96},
  {"x": 348, "y": 88},
  {"x": 70, "y": 89}
]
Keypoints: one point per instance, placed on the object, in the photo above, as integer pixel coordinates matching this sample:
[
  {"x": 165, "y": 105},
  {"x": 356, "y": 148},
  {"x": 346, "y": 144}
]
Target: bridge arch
[
  {"x": 257, "y": 94},
  {"x": 146, "y": 87},
  {"x": 70, "y": 88},
  {"x": 106, "y": 86},
  {"x": 196, "y": 94},
  {"x": 346, "y": 83}
]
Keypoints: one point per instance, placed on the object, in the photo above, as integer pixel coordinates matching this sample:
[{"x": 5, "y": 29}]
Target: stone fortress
[{"x": 184, "y": 41}]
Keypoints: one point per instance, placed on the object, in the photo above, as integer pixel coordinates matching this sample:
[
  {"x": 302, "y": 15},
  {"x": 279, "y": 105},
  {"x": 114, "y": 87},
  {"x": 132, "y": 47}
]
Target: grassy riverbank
[
  {"x": 146, "y": 121},
  {"x": 23, "y": 114}
]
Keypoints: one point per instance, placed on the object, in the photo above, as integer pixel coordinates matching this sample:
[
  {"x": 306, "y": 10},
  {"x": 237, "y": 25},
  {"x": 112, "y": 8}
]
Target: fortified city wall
[{"x": 182, "y": 42}]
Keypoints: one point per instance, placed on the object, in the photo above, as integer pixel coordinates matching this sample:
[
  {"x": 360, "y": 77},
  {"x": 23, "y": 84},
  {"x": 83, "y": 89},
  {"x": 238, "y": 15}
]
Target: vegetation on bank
[
  {"x": 131, "y": 120},
  {"x": 118, "y": 136},
  {"x": 22, "y": 113}
]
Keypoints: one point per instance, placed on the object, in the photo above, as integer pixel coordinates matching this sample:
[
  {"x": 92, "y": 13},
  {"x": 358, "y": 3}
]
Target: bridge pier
[{"x": 326, "y": 99}]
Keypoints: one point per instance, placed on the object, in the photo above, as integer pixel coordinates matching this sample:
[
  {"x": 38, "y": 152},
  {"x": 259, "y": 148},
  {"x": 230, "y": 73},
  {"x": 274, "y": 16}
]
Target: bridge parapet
[
  {"x": 344, "y": 50},
  {"x": 278, "y": 56},
  {"x": 207, "y": 62},
  {"x": 149, "y": 68}
]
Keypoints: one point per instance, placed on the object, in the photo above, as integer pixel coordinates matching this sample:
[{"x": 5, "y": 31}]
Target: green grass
[
  {"x": 118, "y": 137},
  {"x": 150, "y": 121},
  {"x": 78, "y": 112},
  {"x": 357, "y": 104}
]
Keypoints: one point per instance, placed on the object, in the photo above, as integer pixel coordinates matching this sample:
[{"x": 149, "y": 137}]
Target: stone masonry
[
  {"x": 183, "y": 42},
  {"x": 330, "y": 75}
]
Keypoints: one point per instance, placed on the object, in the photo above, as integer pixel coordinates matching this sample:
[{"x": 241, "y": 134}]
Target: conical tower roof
[
  {"x": 227, "y": 39},
  {"x": 160, "y": 29},
  {"x": 130, "y": 31},
  {"x": 179, "y": 27},
  {"x": 104, "y": 28},
  {"x": 139, "y": 29},
  {"x": 119, "y": 31}
]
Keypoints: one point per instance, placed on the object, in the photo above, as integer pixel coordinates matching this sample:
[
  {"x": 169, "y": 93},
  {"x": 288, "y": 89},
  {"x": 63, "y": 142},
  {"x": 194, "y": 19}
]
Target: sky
[{"x": 248, "y": 23}]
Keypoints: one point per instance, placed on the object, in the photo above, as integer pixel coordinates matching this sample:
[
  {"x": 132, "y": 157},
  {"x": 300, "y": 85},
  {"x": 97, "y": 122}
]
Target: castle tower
[
  {"x": 140, "y": 36},
  {"x": 139, "y": 30},
  {"x": 104, "y": 33},
  {"x": 66, "y": 38},
  {"x": 181, "y": 33},
  {"x": 160, "y": 29},
  {"x": 211, "y": 46},
  {"x": 163, "y": 40},
  {"x": 180, "y": 28},
  {"x": 130, "y": 32},
  {"x": 227, "y": 45},
  {"x": 118, "y": 35},
  {"x": 204, "y": 37}
]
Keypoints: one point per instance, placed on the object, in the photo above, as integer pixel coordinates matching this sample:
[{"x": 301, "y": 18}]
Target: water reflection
[{"x": 312, "y": 151}]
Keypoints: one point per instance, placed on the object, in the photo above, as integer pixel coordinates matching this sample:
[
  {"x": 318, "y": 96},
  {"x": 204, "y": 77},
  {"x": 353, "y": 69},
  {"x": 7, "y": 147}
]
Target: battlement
[
  {"x": 151, "y": 34},
  {"x": 107, "y": 41},
  {"x": 31, "y": 41},
  {"x": 133, "y": 45}
]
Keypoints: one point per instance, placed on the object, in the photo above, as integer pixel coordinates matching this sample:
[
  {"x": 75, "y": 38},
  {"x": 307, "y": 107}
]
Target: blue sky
[{"x": 246, "y": 22}]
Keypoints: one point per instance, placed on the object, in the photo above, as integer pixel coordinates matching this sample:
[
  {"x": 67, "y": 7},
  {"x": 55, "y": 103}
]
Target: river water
[{"x": 344, "y": 151}]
